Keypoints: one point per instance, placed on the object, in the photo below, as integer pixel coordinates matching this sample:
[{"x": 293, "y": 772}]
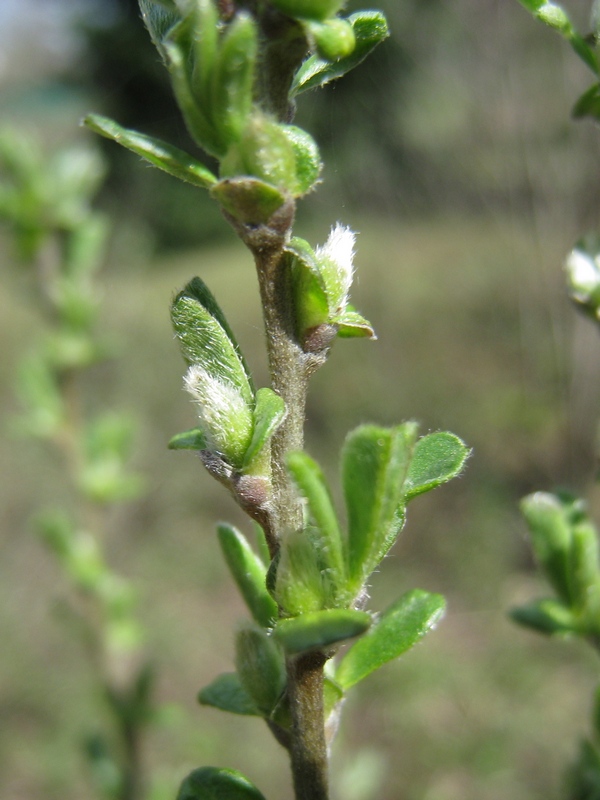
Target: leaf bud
[
  {"x": 334, "y": 38},
  {"x": 263, "y": 151}
]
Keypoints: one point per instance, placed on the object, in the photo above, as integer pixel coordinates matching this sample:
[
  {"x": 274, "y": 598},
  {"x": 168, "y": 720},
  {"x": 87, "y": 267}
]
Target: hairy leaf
[
  {"x": 269, "y": 413},
  {"x": 249, "y": 574},
  {"x": 320, "y": 629},
  {"x": 400, "y": 627},
  {"x": 158, "y": 153},
  {"x": 436, "y": 459},
  {"x": 374, "y": 467},
  {"x": 227, "y": 694},
  {"x": 370, "y": 28}
]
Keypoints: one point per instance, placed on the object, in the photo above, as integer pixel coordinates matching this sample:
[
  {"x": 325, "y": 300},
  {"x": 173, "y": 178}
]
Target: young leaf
[
  {"x": 269, "y": 413},
  {"x": 207, "y": 340},
  {"x": 158, "y": 21},
  {"x": 374, "y": 467},
  {"x": 548, "y": 616},
  {"x": 200, "y": 128},
  {"x": 300, "y": 584},
  {"x": 436, "y": 459},
  {"x": 352, "y": 325},
  {"x": 584, "y": 572},
  {"x": 205, "y": 44},
  {"x": 309, "y": 9},
  {"x": 320, "y": 629},
  {"x": 194, "y": 439},
  {"x": 310, "y": 295},
  {"x": 260, "y": 666},
  {"x": 250, "y": 201},
  {"x": 227, "y": 694},
  {"x": 308, "y": 160},
  {"x": 334, "y": 38},
  {"x": 548, "y": 520},
  {"x": 400, "y": 627},
  {"x": 588, "y": 104},
  {"x": 214, "y": 783},
  {"x": 230, "y": 101},
  {"x": 370, "y": 28},
  {"x": 158, "y": 153},
  {"x": 248, "y": 573},
  {"x": 310, "y": 480}
]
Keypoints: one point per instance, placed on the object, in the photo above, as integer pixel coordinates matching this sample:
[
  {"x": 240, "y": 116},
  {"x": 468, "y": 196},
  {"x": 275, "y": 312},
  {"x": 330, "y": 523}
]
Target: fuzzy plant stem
[{"x": 289, "y": 368}]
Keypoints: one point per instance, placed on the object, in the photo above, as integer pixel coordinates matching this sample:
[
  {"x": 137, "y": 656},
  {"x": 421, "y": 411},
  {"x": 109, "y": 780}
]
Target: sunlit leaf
[
  {"x": 400, "y": 627},
  {"x": 160, "y": 154},
  {"x": 370, "y": 28},
  {"x": 320, "y": 629},
  {"x": 249, "y": 574},
  {"x": 436, "y": 459}
]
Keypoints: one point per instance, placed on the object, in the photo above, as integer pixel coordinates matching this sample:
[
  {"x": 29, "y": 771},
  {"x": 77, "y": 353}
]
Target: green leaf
[
  {"x": 230, "y": 100},
  {"x": 584, "y": 572},
  {"x": 159, "y": 20},
  {"x": 548, "y": 616},
  {"x": 227, "y": 694},
  {"x": 308, "y": 287},
  {"x": 309, "y": 9},
  {"x": 158, "y": 153},
  {"x": 265, "y": 152},
  {"x": 398, "y": 629},
  {"x": 370, "y": 28},
  {"x": 436, "y": 459},
  {"x": 260, "y": 666},
  {"x": 352, "y": 325},
  {"x": 332, "y": 695},
  {"x": 588, "y": 104},
  {"x": 308, "y": 159},
  {"x": 309, "y": 479},
  {"x": 194, "y": 439},
  {"x": 214, "y": 783},
  {"x": 320, "y": 629},
  {"x": 334, "y": 38},
  {"x": 200, "y": 128},
  {"x": 249, "y": 574},
  {"x": 205, "y": 46},
  {"x": 248, "y": 200},
  {"x": 375, "y": 462},
  {"x": 269, "y": 413},
  {"x": 206, "y": 338},
  {"x": 547, "y": 518},
  {"x": 300, "y": 585},
  {"x": 532, "y": 5}
]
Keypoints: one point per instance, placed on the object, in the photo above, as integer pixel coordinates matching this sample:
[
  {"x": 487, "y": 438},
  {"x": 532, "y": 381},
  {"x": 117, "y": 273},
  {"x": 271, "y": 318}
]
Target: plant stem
[
  {"x": 287, "y": 364},
  {"x": 308, "y": 750},
  {"x": 290, "y": 368}
]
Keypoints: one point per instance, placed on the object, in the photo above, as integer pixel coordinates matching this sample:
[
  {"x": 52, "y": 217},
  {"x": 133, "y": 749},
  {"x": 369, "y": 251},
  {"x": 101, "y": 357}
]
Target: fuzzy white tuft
[
  {"x": 583, "y": 274},
  {"x": 339, "y": 251},
  {"x": 225, "y": 416}
]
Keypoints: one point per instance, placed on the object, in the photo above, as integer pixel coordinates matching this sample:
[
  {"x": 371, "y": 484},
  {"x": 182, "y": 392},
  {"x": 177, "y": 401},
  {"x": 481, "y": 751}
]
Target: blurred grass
[{"x": 474, "y": 336}]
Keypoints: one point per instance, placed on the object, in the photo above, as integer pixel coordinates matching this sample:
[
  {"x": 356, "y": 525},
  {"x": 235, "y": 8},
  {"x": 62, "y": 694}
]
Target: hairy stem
[
  {"x": 308, "y": 750},
  {"x": 290, "y": 368}
]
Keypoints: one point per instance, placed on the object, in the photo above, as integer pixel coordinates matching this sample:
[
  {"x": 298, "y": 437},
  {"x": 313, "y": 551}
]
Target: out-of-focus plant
[
  {"x": 237, "y": 70},
  {"x": 563, "y": 538},
  {"x": 45, "y": 200}
]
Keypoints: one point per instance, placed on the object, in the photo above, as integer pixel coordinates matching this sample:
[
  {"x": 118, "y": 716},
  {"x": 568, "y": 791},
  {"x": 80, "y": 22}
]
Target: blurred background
[{"x": 452, "y": 152}]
